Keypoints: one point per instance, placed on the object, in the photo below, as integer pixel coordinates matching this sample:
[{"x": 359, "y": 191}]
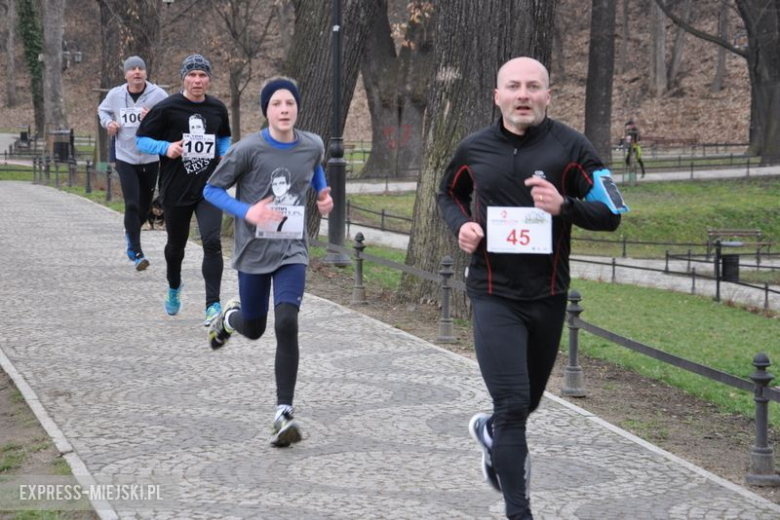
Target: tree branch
[{"x": 679, "y": 22}]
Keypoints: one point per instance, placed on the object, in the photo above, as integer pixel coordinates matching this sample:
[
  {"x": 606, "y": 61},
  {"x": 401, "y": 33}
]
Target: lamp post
[{"x": 336, "y": 164}]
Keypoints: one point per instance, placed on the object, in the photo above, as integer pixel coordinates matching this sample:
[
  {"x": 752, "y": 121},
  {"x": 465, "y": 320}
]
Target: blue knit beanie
[
  {"x": 195, "y": 62},
  {"x": 277, "y": 84}
]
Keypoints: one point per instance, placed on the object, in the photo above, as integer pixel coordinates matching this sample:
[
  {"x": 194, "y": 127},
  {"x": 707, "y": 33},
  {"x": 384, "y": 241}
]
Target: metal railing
[{"x": 762, "y": 466}]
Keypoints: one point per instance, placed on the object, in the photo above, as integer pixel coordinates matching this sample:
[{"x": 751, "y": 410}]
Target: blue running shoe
[
  {"x": 212, "y": 312},
  {"x": 477, "y": 429},
  {"x": 130, "y": 252},
  {"x": 172, "y": 301},
  {"x": 141, "y": 263}
]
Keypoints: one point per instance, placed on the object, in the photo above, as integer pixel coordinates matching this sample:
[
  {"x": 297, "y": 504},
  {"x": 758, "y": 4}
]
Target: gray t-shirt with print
[{"x": 260, "y": 169}]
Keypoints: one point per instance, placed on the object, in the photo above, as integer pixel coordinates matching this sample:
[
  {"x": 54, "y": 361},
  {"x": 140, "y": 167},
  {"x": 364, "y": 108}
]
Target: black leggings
[
  {"x": 138, "y": 182},
  {"x": 177, "y": 224},
  {"x": 287, "y": 350},
  {"x": 516, "y": 344}
]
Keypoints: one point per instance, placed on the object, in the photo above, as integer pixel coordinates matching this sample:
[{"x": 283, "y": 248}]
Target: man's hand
[
  {"x": 112, "y": 128},
  {"x": 546, "y": 197},
  {"x": 260, "y": 214},
  {"x": 324, "y": 202},
  {"x": 174, "y": 150},
  {"x": 469, "y": 236}
]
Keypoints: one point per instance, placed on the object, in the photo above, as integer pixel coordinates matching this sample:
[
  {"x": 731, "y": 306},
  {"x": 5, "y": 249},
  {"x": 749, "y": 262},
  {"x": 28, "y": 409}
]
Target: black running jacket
[{"x": 489, "y": 169}]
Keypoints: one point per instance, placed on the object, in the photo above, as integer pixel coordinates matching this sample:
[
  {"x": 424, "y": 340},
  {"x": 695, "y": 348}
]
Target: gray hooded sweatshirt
[{"x": 118, "y": 106}]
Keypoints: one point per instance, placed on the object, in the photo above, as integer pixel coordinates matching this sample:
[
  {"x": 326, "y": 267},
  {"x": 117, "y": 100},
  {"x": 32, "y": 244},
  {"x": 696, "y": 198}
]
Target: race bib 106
[
  {"x": 519, "y": 230},
  {"x": 130, "y": 116}
]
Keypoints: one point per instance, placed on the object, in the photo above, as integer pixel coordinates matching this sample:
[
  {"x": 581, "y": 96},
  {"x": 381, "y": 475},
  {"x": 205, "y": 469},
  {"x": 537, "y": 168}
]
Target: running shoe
[
  {"x": 173, "y": 301},
  {"x": 130, "y": 252},
  {"x": 285, "y": 430},
  {"x": 141, "y": 263},
  {"x": 477, "y": 429},
  {"x": 219, "y": 330},
  {"x": 211, "y": 313}
]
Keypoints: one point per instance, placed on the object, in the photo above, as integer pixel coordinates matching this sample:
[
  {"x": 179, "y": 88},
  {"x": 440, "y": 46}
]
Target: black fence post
[
  {"x": 625, "y": 242},
  {"x": 56, "y": 173},
  {"x": 766, "y": 296},
  {"x": 573, "y": 377},
  {"x": 35, "y": 169},
  {"x": 666, "y": 264},
  {"x": 88, "y": 183},
  {"x": 614, "y": 267},
  {"x": 71, "y": 170},
  {"x": 693, "y": 281},
  {"x": 446, "y": 334},
  {"x": 762, "y": 460},
  {"x": 359, "y": 290},
  {"x": 717, "y": 270},
  {"x": 47, "y": 167},
  {"x": 108, "y": 183}
]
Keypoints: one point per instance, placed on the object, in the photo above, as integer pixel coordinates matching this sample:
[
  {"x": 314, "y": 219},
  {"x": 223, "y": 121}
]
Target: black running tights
[
  {"x": 516, "y": 344},
  {"x": 138, "y": 182},
  {"x": 177, "y": 225}
]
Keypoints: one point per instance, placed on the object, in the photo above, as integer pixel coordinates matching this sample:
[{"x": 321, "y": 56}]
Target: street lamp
[{"x": 336, "y": 164}]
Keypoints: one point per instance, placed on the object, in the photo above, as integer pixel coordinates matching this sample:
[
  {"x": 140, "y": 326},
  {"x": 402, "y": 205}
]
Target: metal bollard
[
  {"x": 359, "y": 290},
  {"x": 762, "y": 461},
  {"x": 88, "y": 184},
  {"x": 666, "y": 265},
  {"x": 446, "y": 333},
  {"x": 573, "y": 377},
  {"x": 108, "y": 183},
  {"x": 614, "y": 268},
  {"x": 56, "y": 174}
]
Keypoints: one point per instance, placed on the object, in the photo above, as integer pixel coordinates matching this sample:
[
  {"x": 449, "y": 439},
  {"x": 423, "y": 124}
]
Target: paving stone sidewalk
[{"x": 134, "y": 397}]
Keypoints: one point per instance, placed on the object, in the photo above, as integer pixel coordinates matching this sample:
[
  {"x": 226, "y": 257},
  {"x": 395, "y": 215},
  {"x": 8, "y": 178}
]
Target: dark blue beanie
[{"x": 272, "y": 87}]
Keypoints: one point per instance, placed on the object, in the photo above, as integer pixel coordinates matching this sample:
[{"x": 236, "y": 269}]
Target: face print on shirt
[
  {"x": 196, "y": 165},
  {"x": 280, "y": 185}
]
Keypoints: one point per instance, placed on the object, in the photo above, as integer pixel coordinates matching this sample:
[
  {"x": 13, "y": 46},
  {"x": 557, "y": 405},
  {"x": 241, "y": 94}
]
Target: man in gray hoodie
[{"x": 120, "y": 114}]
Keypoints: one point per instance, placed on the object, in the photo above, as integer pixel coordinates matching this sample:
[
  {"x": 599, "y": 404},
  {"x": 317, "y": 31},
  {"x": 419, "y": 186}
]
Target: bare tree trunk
[
  {"x": 396, "y": 86},
  {"x": 723, "y": 33},
  {"x": 10, "y": 49},
  {"x": 622, "y": 61},
  {"x": 54, "y": 110},
  {"x": 764, "y": 66},
  {"x": 598, "y": 92},
  {"x": 310, "y": 62},
  {"x": 30, "y": 32},
  {"x": 558, "y": 62},
  {"x": 285, "y": 14},
  {"x": 461, "y": 101},
  {"x": 677, "y": 50},
  {"x": 658, "y": 80}
]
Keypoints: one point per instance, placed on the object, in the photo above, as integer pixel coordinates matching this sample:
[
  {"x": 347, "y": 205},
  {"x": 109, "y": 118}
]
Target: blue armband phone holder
[{"x": 605, "y": 190}]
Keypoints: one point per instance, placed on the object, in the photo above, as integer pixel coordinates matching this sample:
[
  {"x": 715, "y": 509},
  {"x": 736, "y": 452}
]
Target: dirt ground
[{"x": 667, "y": 417}]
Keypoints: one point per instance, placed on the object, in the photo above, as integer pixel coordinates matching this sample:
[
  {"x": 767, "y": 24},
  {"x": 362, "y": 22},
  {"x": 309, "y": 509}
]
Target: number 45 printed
[{"x": 518, "y": 230}]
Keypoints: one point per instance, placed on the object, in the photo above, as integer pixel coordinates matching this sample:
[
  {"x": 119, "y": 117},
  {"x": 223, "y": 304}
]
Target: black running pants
[
  {"x": 138, "y": 182},
  {"x": 177, "y": 225},
  {"x": 516, "y": 343}
]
